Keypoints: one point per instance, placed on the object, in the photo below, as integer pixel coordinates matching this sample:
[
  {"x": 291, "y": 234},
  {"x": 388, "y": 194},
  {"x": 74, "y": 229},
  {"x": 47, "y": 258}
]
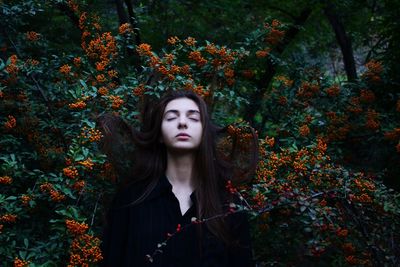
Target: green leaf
[
  {"x": 63, "y": 212},
  {"x": 79, "y": 158},
  {"x": 82, "y": 82},
  {"x": 22, "y": 254},
  {"x": 307, "y": 230}
]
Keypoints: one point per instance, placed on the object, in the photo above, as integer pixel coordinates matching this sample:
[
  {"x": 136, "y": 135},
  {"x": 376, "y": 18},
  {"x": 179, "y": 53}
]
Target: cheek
[{"x": 199, "y": 132}]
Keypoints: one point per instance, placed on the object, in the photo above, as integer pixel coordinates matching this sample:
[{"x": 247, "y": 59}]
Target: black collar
[{"x": 165, "y": 187}]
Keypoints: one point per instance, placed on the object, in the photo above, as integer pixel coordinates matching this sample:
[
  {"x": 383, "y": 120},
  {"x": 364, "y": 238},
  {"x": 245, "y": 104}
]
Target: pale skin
[{"x": 181, "y": 130}]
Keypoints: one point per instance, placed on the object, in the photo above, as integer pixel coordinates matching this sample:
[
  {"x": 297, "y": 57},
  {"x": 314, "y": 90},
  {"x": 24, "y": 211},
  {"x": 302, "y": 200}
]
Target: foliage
[
  {"x": 308, "y": 206},
  {"x": 340, "y": 218}
]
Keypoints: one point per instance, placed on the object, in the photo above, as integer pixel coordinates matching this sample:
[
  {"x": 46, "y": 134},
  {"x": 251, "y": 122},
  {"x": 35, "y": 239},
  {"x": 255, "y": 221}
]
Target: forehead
[{"x": 182, "y": 105}]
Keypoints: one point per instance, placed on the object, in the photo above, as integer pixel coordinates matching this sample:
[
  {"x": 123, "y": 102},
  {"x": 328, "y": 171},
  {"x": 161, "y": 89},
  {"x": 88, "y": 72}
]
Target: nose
[{"x": 182, "y": 122}]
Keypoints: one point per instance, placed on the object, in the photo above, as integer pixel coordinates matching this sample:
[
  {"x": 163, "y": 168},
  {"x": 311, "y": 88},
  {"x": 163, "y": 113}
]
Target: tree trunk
[
  {"x": 121, "y": 12},
  {"x": 123, "y": 17},
  {"x": 256, "y": 97},
  {"x": 263, "y": 83},
  {"x": 64, "y": 8},
  {"x": 344, "y": 41},
  {"x": 133, "y": 21}
]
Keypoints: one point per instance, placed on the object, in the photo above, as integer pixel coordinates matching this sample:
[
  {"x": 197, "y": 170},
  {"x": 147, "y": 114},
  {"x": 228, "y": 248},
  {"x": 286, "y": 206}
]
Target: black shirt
[{"x": 132, "y": 232}]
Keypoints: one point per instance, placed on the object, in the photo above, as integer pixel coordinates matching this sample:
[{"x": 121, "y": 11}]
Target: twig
[
  {"x": 11, "y": 41},
  {"x": 38, "y": 87},
  {"x": 353, "y": 211},
  {"x": 95, "y": 208},
  {"x": 244, "y": 200},
  {"x": 197, "y": 221}
]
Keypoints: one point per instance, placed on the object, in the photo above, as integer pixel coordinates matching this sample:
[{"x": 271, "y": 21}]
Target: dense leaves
[{"x": 325, "y": 144}]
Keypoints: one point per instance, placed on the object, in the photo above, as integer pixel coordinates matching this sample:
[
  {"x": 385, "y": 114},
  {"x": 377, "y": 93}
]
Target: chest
[
  {"x": 185, "y": 202},
  {"x": 154, "y": 221},
  {"x": 155, "y": 218}
]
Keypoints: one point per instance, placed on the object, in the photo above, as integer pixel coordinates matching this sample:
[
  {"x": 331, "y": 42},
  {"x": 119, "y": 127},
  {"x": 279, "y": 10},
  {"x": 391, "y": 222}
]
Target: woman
[{"x": 178, "y": 179}]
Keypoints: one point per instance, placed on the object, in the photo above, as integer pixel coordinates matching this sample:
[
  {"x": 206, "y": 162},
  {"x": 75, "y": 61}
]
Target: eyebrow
[{"x": 190, "y": 111}]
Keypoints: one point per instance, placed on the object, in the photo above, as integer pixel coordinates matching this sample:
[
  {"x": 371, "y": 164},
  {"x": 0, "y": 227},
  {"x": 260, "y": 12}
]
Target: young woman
[{"x": 178, "y": 178}]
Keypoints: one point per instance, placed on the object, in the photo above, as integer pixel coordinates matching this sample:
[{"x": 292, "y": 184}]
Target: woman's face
[{"x": 181, "y": 127}]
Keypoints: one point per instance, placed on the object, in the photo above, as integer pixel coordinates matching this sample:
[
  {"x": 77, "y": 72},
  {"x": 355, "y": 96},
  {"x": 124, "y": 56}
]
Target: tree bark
[
  {"x": 263, "y": 83},
  {"x": 121, "y": 12},
  {"x": 123, "y": 17},
  {"x": 64, "y": 8},
  {"x": 343, "y": 40},
  {"x": 133, "y": 21}
]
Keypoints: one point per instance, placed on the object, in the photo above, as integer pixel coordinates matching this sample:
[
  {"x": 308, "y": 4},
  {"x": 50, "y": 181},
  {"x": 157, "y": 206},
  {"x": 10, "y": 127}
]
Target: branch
[
  {"x": 360, "y": 224},
  {"x": 120, "y": 11},
  {"x": 64, "y": 8},
  {"x": 37, "y": 86},
  {"x": 95, "y": 208},
  {"x": 196, "y": 221},
  {"x": 343, "y": 40},
  {"x": 133, "y": 21},
  {"x": 263, "y": 83},
  {"x": 377, "y": 44}
]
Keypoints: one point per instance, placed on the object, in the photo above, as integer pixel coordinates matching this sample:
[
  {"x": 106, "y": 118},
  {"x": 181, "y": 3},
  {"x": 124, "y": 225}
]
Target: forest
[{"x": 317, "y": 81}]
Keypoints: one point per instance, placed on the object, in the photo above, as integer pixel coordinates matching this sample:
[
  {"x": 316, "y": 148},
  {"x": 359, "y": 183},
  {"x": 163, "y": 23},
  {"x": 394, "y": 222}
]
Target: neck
[{"x": 180, "y": 168}]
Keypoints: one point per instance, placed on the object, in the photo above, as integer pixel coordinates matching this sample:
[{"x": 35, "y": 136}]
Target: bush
[{"x": 56, "y": 181}]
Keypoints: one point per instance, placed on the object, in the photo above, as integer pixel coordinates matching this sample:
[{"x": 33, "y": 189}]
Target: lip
[{"x": 183, "y": 134}]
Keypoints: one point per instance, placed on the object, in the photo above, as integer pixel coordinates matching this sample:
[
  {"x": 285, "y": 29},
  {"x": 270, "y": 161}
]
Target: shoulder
[{"x": 128, "y": 194}]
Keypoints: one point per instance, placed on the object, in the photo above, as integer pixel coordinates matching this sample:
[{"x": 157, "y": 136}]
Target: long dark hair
[{"x": 150, "y": 159}]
